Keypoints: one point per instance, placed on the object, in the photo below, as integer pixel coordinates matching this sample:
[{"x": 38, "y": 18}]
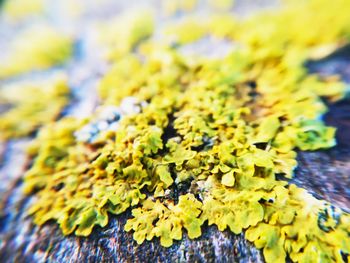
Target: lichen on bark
[{"x": 205, "y": 139}]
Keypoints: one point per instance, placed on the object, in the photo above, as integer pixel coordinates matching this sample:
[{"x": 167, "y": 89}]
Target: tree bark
[{"x": 325, "y": 174}]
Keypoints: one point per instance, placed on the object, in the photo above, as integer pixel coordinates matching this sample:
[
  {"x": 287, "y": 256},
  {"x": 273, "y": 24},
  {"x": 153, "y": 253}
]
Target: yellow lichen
[
  {"x": 222, "y": 5},
  {"x": 35, "y": 48},
  {"x": 166, "y": 220},
  {"x": 121, "y": 35},
  {"x": 173, "y": 6},
  {"x": 31, "y": 104},
  {"x": 19, "y": 9},
  {"x": 201, "y": 139}
]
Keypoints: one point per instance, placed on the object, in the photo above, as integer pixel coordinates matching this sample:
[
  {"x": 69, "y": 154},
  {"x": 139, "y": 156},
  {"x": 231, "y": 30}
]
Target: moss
[{"x": 225, "y": 127}]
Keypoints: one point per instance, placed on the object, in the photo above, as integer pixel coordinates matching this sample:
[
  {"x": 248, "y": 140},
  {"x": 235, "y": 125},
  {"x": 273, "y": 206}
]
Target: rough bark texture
[{"x": 323, "y": 173}]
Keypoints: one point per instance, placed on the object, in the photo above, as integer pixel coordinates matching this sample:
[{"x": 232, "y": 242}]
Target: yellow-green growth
[
  {"x": 217, "y": 131},
  {"x": 124, "y": 33},
  {"x": 37, "y": 47},
  {"x": 20, "y": 9},
  {"x": 166, "y": 220},
  {"x": 30, "y": 105}
]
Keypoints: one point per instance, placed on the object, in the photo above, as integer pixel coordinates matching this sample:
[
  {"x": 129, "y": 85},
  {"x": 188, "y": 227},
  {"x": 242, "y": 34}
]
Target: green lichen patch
[{"x": 208, "y": 142}]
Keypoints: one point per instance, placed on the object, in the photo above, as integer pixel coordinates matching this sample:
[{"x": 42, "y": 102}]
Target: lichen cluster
[
  {"x": 35, "y": 48},
  {"x": 209, "y": 139},
  {"x": 27, "y": 105},
  {"x": 21, "y": 9}
]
